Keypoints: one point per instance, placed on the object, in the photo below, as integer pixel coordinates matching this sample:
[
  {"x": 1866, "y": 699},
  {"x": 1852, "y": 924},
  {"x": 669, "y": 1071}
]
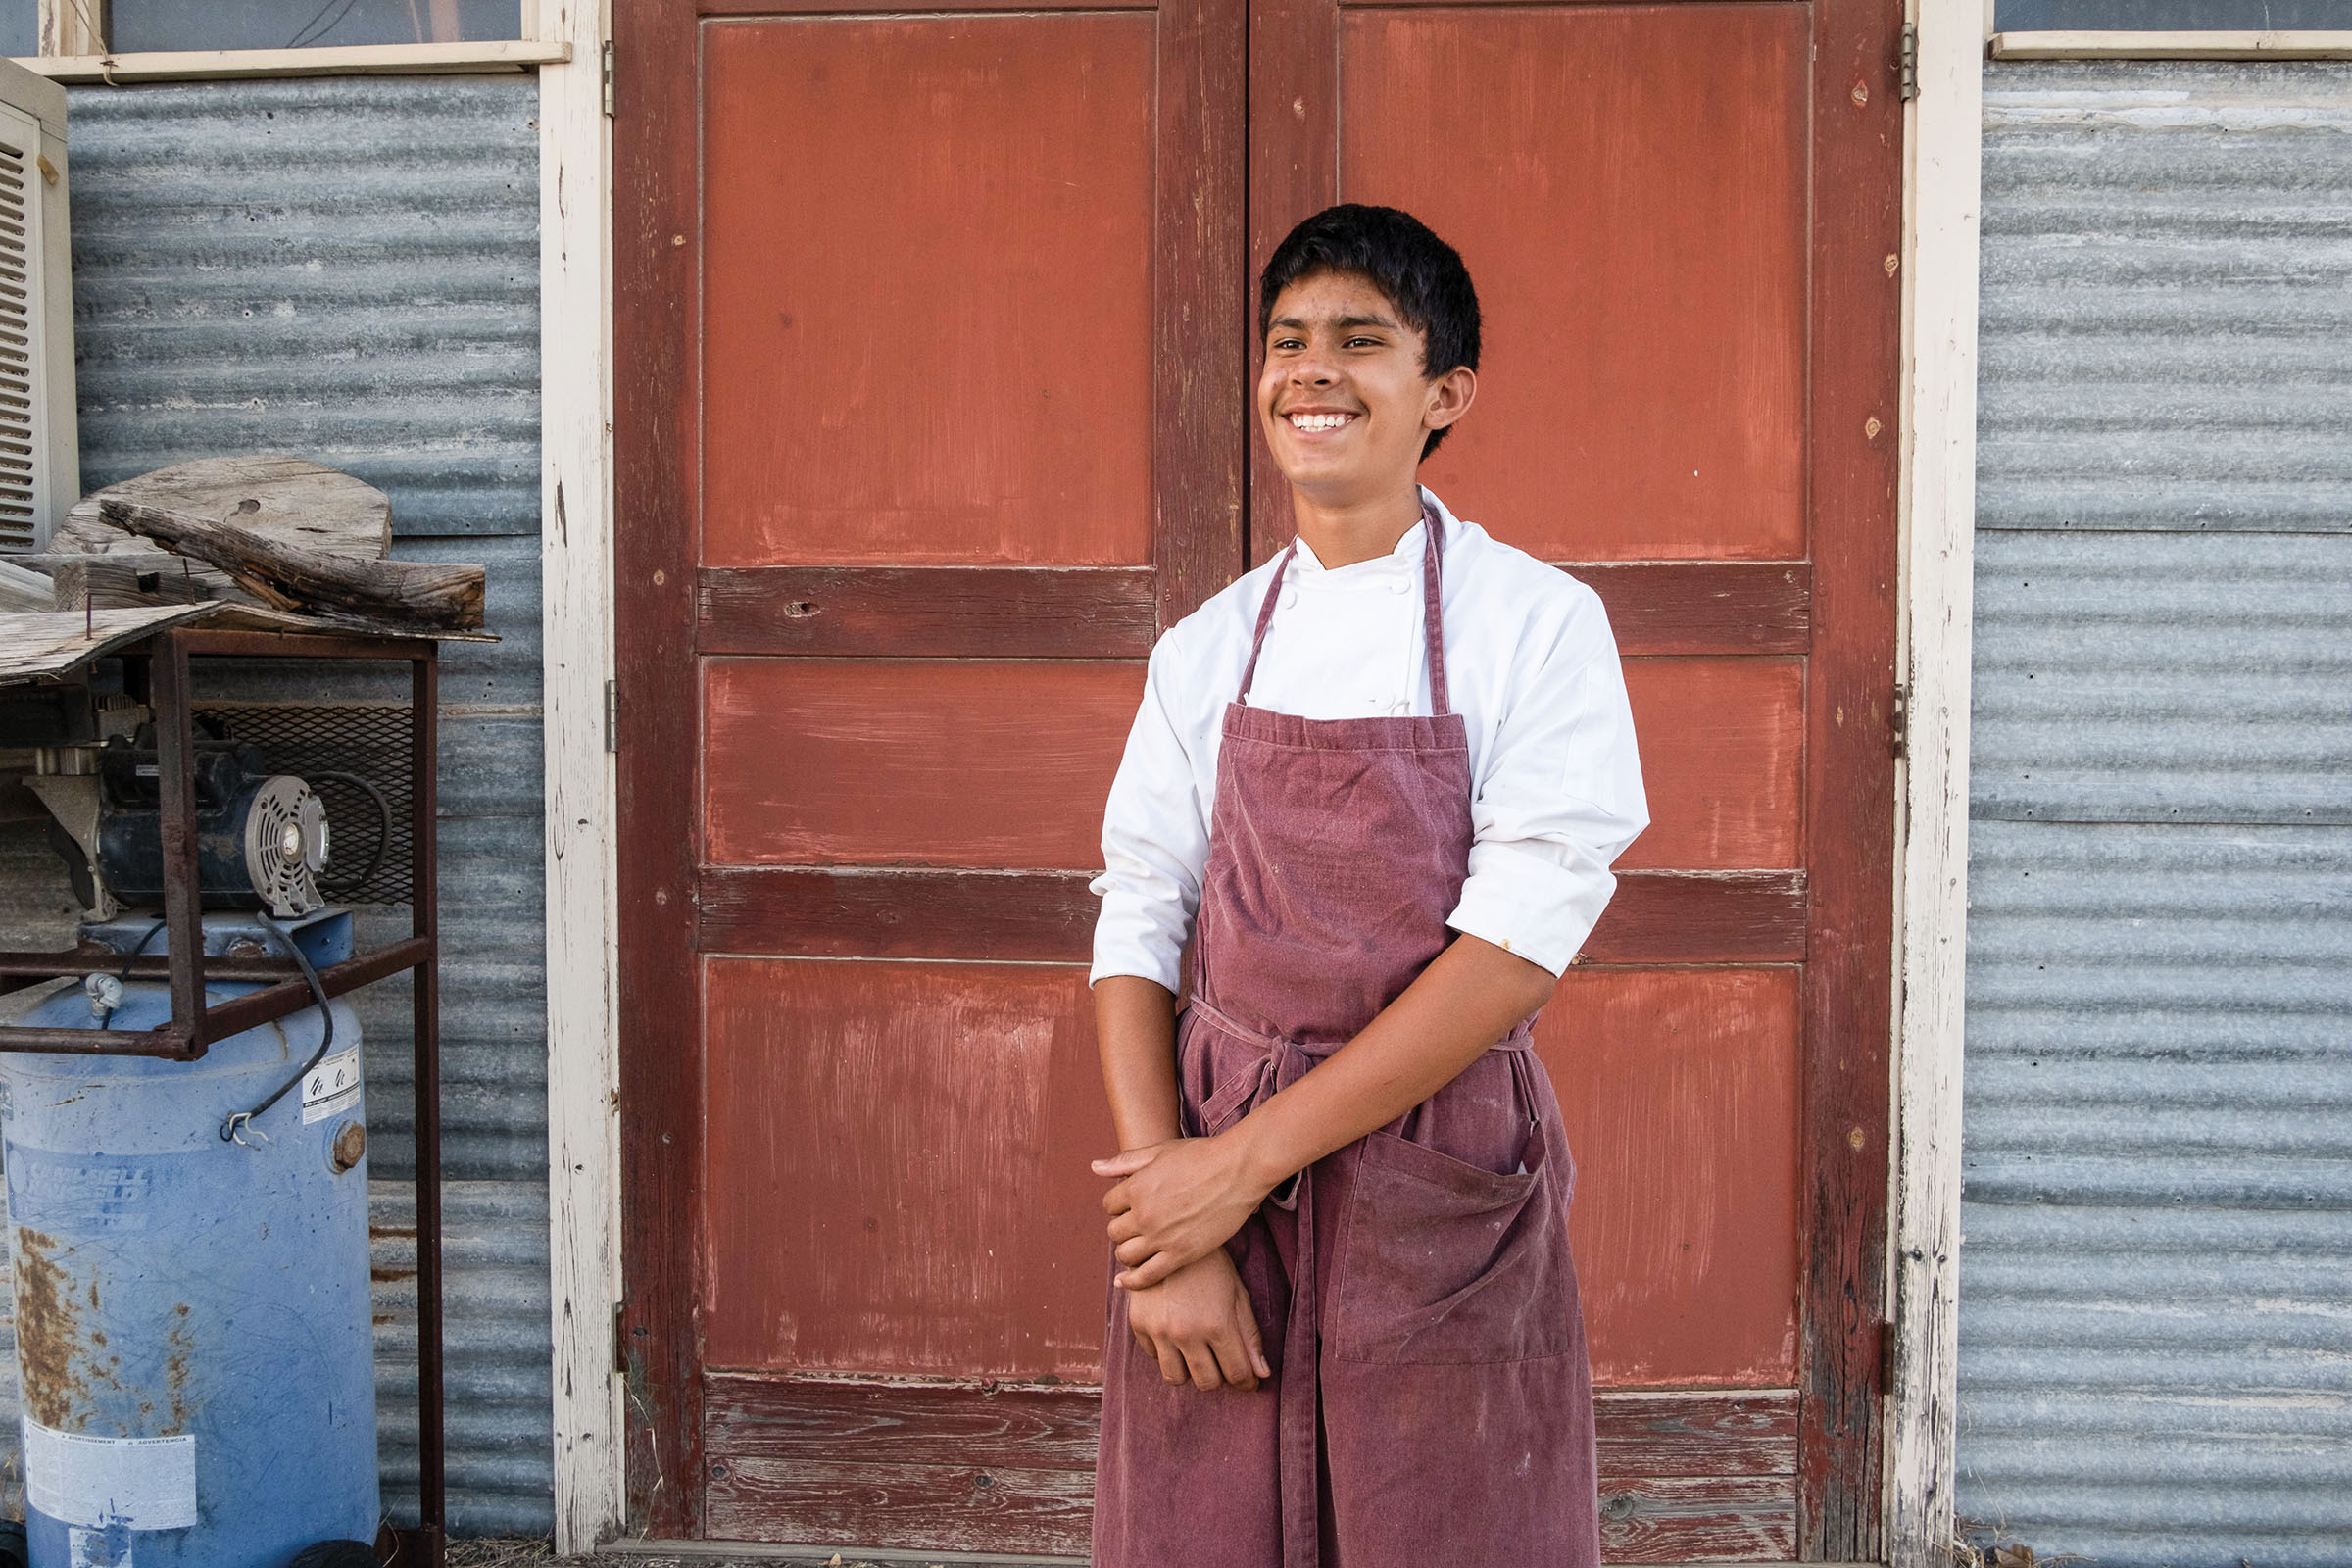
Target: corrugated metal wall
[
  {"x": 348, "y": 271},
  {"x": 2156, "y": 1270}
]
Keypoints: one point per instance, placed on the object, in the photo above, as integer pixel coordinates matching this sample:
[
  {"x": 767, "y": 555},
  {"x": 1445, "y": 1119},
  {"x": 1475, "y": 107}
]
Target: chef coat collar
[{"x": 1405, "y": 557}]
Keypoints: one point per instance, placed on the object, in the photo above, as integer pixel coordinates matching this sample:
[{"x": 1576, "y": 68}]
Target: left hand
[{"x": 1181, "y": 1200}]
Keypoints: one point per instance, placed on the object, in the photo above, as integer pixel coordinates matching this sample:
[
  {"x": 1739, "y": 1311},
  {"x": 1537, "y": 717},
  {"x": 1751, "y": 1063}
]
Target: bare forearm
[
  {"x": 1464, "y": 1002},
  {"x": 1135, "y": 1030}
]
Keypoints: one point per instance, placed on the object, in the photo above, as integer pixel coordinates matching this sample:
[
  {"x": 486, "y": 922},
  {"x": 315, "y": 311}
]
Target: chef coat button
[
  {"x": 1289, "y": 597},
  {"x": 1399, "y": 586}
]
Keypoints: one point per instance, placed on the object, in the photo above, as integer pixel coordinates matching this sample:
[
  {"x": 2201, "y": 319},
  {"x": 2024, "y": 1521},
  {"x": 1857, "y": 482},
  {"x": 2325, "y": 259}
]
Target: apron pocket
[{"x": 1441, "y": 1261}]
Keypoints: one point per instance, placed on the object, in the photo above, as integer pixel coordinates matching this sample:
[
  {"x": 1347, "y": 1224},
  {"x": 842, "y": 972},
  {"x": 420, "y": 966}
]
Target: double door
[{"x": 936, "y": 331}]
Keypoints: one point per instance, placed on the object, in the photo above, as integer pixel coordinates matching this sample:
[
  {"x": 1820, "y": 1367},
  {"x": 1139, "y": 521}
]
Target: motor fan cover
[{"x": 285, "y": 846}]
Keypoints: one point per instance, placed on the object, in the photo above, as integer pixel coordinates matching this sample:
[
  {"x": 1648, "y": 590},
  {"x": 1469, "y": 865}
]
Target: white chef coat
[{"x": 1531, "y": 666}]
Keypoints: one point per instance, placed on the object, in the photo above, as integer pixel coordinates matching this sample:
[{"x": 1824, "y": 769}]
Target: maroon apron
[{"x": 1430, "y": 1395}]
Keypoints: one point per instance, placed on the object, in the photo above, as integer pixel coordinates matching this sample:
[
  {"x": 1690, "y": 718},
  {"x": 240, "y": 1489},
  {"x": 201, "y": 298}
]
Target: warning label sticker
[
  {"x": 332, "y": 1087},
  {"x": 117, "y": 1482}
]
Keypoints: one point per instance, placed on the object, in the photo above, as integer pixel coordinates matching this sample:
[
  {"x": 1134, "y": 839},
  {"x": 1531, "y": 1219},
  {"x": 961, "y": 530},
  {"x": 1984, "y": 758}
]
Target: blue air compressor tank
[{"x": 193, "y": 1330}]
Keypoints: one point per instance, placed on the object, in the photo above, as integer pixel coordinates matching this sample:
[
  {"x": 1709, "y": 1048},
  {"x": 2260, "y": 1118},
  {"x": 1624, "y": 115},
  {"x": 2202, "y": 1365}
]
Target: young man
[{"x": 1378, "y": 784}]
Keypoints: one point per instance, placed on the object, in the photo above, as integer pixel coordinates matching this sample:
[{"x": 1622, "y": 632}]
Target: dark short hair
[{"x": 1421, "y": 274}]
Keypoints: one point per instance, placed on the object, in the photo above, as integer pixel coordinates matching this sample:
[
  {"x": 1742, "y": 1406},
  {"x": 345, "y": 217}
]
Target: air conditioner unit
[{"x": 40, "y": 452}]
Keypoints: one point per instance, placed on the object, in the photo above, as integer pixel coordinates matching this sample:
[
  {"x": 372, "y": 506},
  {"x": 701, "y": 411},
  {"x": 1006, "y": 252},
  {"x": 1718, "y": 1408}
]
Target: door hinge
[
  {"x": 621, "y": 1341},
  {"x": 613, "y": 715},
  {"x": 608, "y": 54},
  {"x": 1901, "y": 720},
  {"x": 1907, "y": 66}
]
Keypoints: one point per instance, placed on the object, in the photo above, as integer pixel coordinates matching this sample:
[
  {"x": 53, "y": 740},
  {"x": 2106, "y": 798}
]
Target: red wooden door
[{"x": 935, "y": 329}]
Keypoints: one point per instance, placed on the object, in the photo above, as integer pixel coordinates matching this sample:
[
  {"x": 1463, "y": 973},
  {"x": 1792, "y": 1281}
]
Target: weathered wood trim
[
  {"x": 657, "y": 268},
  {"x": 854, "y": 8},
  {"x": 2273, "y": 45},
  {"x": 582, "y": 812},
  {"x": 1199, "y": 429},
  {"x": 1049, "y": 917},
  {"x": 1655, "y": 606},
  {"x": 1703, "y": 607},
  {"x": 1943, "y": 145},
  {"x": 930, "y": 612},
  {"x": 1852, "y": 474},
  {"x": 356, "y": 60},
  {"x": 971, "y": 1466}
]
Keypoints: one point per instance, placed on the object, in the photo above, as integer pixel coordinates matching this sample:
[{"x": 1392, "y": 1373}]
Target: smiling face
[{"x": 1342, "y": 399}]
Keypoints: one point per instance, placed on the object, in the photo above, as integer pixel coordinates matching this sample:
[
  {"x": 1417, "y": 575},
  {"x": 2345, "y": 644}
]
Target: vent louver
[{"x": 20, "y": 378}]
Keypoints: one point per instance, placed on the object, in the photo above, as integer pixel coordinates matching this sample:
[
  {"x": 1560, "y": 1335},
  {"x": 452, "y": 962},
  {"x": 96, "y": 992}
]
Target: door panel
[
  {"x": 1628, "y": 187},
  {"x": 908, "y": 223},
  {"x": 906, "y": 762},
  {"x": 937, "y": 325},
  {"x": 1679, "y": 1090},
  {"x": 938, "y": 1221}
]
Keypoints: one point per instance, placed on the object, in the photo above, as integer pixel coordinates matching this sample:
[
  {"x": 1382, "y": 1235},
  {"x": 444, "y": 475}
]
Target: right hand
[{"x": 1198, "y": 1325}]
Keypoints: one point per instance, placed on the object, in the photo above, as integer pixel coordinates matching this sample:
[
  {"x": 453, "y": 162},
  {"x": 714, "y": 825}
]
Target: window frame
[
  {"x": 72, "y": 51},
  {"x": 2331, "y": 44}
]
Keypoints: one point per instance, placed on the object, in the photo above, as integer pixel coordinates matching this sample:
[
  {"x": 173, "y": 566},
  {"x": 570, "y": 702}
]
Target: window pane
[
  {"x": 19, "y": 27},
  {"x": 2166, "y": 16},
  {"x": 307, "y": 24}
]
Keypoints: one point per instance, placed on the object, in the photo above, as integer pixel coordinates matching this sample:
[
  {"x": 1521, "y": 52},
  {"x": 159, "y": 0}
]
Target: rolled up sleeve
[
  {"x": 1559, "y": 797},
  {"x": 1154, "y": 842}
]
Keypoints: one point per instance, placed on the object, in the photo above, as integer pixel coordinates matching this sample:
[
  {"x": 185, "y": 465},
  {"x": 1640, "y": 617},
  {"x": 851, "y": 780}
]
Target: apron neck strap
[{"x": 1433, "y": 617}]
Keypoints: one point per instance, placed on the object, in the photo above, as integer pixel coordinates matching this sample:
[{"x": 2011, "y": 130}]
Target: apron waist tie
[{"x": 1298, "y": 1420}]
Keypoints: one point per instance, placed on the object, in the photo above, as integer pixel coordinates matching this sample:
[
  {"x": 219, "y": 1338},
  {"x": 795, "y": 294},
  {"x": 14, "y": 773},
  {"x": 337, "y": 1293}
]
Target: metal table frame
[{"x": 195, "y": 1025}]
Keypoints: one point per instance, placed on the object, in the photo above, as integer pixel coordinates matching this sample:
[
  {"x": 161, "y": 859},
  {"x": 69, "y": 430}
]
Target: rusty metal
[
  {"x": 175, "y": 781},
  {"x": 184, "y": 970},
  {"x": 424, "y": 706}
]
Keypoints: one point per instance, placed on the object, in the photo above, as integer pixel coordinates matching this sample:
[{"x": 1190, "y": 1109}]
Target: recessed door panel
[{"x": 929, "y": 270}]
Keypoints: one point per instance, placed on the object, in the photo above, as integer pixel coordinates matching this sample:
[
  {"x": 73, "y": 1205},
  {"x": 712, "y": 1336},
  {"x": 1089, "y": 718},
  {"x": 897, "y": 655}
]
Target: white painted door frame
[
  {"x": 1943, "y": 131},
  {"x": 575, "y": 557}
]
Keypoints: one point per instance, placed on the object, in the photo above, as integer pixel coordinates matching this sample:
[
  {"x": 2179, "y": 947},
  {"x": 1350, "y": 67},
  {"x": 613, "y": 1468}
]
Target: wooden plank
[
  {"x": 1200, "y": 424},
  {"x": 348, "y": 60},
  {"x": 930, "y": 612},
  {"x": 830, "y": 911},
  {"x": 1711, "y": 607},
  {"x": 37, "y": 643},
  {"x": 1049, "y": 917},
  {"x": 1681, "y": 1519},
  {"x": 1052, "y": 1426},
  {"x": 576, "y": 587},
  {"x": 1685, "y": 1476},
  {"x": 1694, "y": 1432},
  {"x": 1657, "y": 608},
  {"x": 1702, "y": 917},
  {"x": 1853, "y": 471},
  {"x": 308, "y": 581},
  {"x": 946, "y": 1508},
  {"x": 969, "y": 1422},
  {"x": 1939, "y": 432},
  {"x": 291, "y": 500},
  {"x": 656, "y": 416}
]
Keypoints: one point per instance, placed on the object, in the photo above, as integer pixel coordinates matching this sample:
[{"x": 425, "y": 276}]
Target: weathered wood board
[
  {"x": 34, "y": 644},
  {"x": 296, "y": 578},
  {"x": 288, "y": 499}
]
